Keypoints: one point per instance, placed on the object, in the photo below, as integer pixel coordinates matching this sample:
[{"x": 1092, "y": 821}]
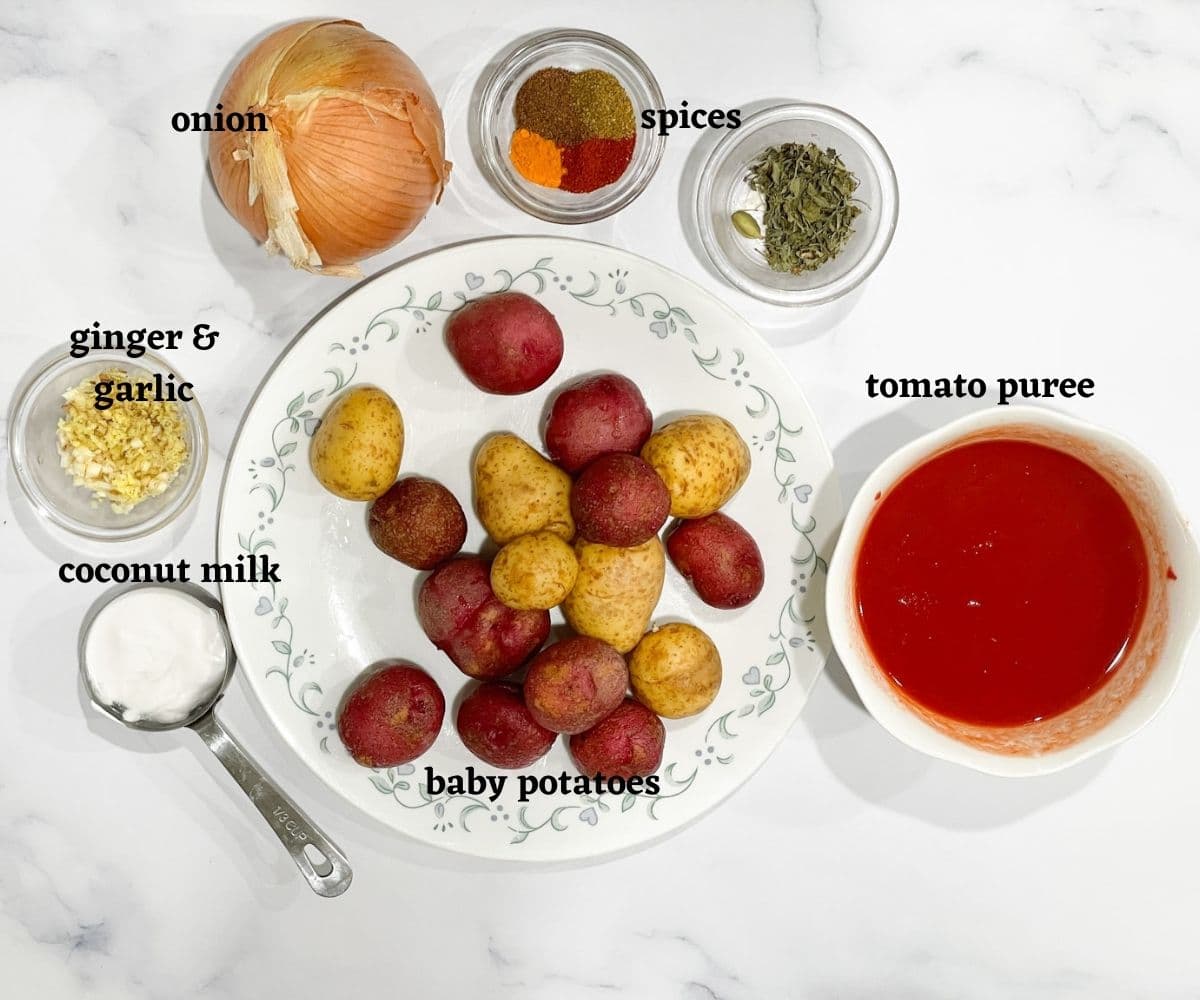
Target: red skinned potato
[
  {"x": 717, "y": 556},
  {"x": 496, "y": 727},
  {"x": 507, "y": 343},
  {"x": 417, "y": 521},
  {"x": 575, "y": 683},
  {"x": 626, "y": 744},
  {"x": 596, "y": 416},
  {"x": 468, "y": 622},
  {"x": 619, "y": 500},
  {"x": 391, "y": 714}
]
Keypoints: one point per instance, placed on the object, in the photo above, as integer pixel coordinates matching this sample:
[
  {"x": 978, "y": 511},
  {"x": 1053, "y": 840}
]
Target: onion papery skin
[{"x": 354, "y": 153}]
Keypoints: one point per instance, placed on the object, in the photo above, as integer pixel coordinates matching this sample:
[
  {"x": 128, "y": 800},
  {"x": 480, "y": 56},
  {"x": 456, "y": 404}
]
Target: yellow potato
[
  {"x": 518, "y": 492},
  {"x": 356, "y": 451},
  {"x": 616, "y": 591},
  {"x": 703, "y": 461},
  {"x": 534, "y": 572},
  {"x": 675, "y": 671}
]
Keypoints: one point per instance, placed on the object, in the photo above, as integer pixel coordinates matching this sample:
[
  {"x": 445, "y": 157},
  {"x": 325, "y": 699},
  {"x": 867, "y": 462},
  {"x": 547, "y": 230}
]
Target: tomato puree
[{"x": 1001, "y": 582}]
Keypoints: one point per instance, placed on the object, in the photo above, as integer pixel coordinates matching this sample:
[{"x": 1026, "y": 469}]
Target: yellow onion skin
[{"x": 354, "y": 153}]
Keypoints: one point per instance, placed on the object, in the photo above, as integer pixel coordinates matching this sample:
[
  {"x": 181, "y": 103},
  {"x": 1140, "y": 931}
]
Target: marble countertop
[{"x": 1049, "y": 165}]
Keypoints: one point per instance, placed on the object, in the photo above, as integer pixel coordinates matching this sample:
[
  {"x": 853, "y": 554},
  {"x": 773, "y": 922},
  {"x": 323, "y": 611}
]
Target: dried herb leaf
[{"x": 808, "y": 205}]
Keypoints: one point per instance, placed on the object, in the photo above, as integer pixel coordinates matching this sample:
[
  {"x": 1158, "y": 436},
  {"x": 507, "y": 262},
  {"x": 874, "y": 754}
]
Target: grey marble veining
[{"x": 1049, "y": 165}]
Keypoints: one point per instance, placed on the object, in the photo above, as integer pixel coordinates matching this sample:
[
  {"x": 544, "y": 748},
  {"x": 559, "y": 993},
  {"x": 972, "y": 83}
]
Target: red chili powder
[{"x": 595, "y": 163}]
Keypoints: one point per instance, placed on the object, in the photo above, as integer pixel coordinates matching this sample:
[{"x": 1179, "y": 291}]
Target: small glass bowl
[
  {"x": 494, "y": 123},
  {"x": 33, "y": 447},
  {"x": 722, "y": 190}
]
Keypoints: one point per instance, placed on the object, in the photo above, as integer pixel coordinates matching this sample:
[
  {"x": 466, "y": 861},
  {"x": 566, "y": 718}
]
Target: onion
[{"x": 354, "y": 151}]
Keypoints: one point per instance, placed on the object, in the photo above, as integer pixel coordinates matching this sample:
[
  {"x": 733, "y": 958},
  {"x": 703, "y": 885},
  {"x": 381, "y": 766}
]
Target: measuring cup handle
[{"x": 328, "y": 873}]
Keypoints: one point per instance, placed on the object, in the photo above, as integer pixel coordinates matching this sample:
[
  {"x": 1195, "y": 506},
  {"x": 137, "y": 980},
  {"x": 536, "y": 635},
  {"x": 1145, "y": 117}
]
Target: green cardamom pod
[{"x": 746, "y": 224}]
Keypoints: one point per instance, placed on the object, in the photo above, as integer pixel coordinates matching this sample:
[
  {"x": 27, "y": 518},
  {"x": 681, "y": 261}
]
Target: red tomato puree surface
[{"x": 1000, "y": 582}]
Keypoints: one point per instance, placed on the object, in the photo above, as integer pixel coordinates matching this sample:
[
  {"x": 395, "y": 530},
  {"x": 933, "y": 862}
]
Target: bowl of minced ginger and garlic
[{"x": 107, "y": 447}]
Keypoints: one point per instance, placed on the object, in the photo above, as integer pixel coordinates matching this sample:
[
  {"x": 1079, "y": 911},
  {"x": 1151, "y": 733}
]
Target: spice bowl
[
  {"x": 722, "y": 190},
  {"x": 33, "y": 448},
  {"x": 494, "y": 123}
]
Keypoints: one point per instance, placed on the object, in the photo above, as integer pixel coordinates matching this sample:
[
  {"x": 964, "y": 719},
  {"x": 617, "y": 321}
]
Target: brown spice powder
[{"x": 543, "y": 105}]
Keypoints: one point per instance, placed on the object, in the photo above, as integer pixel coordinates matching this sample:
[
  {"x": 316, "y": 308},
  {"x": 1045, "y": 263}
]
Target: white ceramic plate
[{"x": 342, "y": 604}]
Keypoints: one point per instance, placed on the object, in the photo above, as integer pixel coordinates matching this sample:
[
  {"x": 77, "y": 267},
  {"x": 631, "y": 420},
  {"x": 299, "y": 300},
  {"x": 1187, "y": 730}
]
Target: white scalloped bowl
[{"x": 1151, "y": 667}]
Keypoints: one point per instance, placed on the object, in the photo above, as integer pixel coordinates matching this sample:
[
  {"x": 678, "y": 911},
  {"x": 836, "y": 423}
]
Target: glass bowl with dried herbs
[{"x": 798, "y": 206}]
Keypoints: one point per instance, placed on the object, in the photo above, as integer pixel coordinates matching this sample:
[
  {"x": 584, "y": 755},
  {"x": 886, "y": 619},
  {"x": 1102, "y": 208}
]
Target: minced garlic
[{"x": 125, "y": 454}]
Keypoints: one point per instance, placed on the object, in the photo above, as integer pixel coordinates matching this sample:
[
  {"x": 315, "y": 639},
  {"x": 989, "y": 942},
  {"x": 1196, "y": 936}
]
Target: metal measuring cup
[{"x": 320, "y": 861}]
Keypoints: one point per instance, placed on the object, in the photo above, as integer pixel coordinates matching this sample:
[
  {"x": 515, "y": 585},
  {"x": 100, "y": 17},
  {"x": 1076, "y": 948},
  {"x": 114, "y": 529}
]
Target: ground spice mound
[
  {"x": 125, "y": 454},
  {"x": 543, "y": 106},
  {"x": 601, "y": 103},
  {"x": 537, "y": 159},
  {"x": 595, "y": 163}
]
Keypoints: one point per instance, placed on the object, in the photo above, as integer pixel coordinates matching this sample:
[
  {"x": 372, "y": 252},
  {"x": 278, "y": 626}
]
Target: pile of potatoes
[{"x": 578, "y": 530}]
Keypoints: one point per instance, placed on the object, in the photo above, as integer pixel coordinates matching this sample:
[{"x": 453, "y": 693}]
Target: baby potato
[
  {"x": 675, "y": 670},
  {"x": 517, "y": 491},
  {"x": 619, "y": 500},
  {"x": 597, "y": 415},
  {"x": 495, "y": 725},
  {"x": 391, "y": 714},
  {"x": 702, "y": 459},
  {"x": 464, "y": 619},
  {"x": 507, "y": 343},
  {"x": 418, "y": 522},
  {"x": 627, "y": 743},
  {"x": 616, "y": 591},
  {"x": 573, "y": 684},
  {"x": 534, "y": 572},
  {"x": 719, "y": 558},
  {"x": 356, "y": 451}
]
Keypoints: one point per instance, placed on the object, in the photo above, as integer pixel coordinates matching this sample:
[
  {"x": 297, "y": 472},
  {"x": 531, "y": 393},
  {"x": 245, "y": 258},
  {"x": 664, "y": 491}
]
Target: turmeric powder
[{"x": 538, "y": 160}]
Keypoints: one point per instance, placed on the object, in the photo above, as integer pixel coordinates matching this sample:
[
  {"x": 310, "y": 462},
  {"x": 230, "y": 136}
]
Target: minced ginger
[{"x": 125, "y": 454}]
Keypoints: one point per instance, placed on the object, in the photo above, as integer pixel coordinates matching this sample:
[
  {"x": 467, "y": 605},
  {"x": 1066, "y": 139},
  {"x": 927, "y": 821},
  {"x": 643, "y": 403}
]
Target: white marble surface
[{"x": 1049, "y": 163}]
